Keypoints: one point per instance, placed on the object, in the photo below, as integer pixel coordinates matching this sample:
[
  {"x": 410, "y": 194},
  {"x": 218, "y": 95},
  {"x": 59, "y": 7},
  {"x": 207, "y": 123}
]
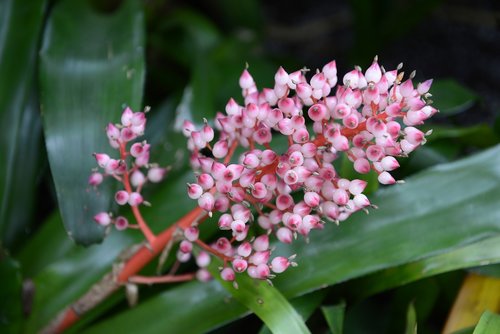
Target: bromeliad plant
[{"x": 261, "y": 192}]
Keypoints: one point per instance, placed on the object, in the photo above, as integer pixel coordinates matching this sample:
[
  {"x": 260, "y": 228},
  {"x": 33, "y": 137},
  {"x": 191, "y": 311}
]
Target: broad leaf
[
  {"x": 334, "y": 316},
  {"x": 20, "y": 25},
  {"x": 450, "y": 97},
  {"x": 488, "y": 324},
  {"x": 266, "y": 302},
  {"x": 91, "y": 67}
]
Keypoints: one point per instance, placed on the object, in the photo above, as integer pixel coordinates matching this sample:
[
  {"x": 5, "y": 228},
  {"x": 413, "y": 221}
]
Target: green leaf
[
  {"x": 266, "y": 302},
  {"x": 411, "y": 320},
  {"x": 482, "y": 253},
  {"x": 334, "y": 316},
  {"x": 434, "y": 212},
  {"x": 11, "y": 308},
  {"x": 304, "y": 305},
  {"x": 85, "y": 83},
  {"x": 20, "y": 25},
  {"x": 488, "y": 324},
  {"x": 480, "y": 135},
  {"x": 450, "y": 97}
]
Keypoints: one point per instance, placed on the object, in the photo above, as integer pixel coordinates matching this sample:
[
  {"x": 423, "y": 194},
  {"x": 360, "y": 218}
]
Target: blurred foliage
[{"x": 396, "y": 269}]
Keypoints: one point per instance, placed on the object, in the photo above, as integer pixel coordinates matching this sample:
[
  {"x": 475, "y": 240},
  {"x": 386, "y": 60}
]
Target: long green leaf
[
  {"x": 11, "y": 307},
  {"x": 434, "y": 212},
  {"x": 480, "y": 253},
  {"x": 488, "y": 324},
  {"x": 334, "y": 316},
  {"x": 91, "y": 67},
  {"x": 20, "y": 25},
  {"x": 266, "y": 302}
]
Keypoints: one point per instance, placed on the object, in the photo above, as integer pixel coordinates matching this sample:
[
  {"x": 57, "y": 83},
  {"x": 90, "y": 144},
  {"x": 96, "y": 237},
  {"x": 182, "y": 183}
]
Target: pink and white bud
[
  {"x": 246, "y": 81},
  {"x": 220, "y": 149},
  {"x": 192, "y": 233},
  {"x": 238, "y": 226},
  {"x": 251, "y": 160},
  {"x": 373, "y": 73},
  {"x": 203, "y": 259},
  {"x": 137, "y": 179},
  {"x": 312, "y": 199},
  {"x": 102, "y": 218},
  {"x": 112, "y": 132},
  {"x": 203, "y": 275},
  {"x": 259, "y": 257},
  {"x": 284, "y": 235},
  {"x": 340, "y": 197},
  {"x": 423, "y": 88},
  {"x": 330, "y": 71},
  {"x": 95, "y": 179},
  {"x": 121, "y": 223},
  {"x": 406, "y": 88},
  {"x": 318, "y": 81},
  {"x": 291, "y": 177},
  {"x": 240, "y": 265},
  {"x": 126, "y": 135},
  {"x": 281, "y": 77},
  {"x": 121, "y": 197},
  {"x": 232, "y": 108},
  {"x": 262, "y": 271},
  {"x": 225, "y": 221},
  {"x": 194, "y": 190},
  {"x": 356, "y": 187},
  {"x": 221, "y": 203},
  {"x": 330, "y": 210},
  {"x": 227, "y": 274},
  {"x": 156, "y": 174},
  {"x": 303, "y": 90},
  {"x": 259, "y": 190},
  {"x": 102, "y": 159},
  {"x": 389, "y": 163},
  {"x": 185, "y": 246},
  {"x": 135, "y": 199},
  {"x": 206, "y": 202},
  {"x": 386, "y": 178},
  {"x": 351, "y": 121},
  {"x": 126, "y": 117},
  {"x": 245, "y": 249},
  {"x": 261, "y": 243},
  {"x": 374, "y": 152},
  {"x": 361, "y": 201},
  {"x": 187, "y": 128},
  {"x": 317, "y": 112},
  {"x": 414, "y": 135},
  {"x": 279, "y": 264}
]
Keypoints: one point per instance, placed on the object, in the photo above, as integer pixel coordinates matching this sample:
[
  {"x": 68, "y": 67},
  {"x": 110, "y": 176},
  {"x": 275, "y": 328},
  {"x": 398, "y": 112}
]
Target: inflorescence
[{"x": 266, "y": 192}]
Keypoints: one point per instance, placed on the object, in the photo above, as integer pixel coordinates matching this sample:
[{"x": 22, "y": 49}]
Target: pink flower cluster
[
  {"x": 132, "y": 168},
  {"x": 370, "y": 118}
]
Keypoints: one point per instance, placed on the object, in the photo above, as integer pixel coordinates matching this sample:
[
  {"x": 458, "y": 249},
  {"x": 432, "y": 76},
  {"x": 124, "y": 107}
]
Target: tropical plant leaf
[
  {"x": 411, "y": 320},
  {"x": 334, "y": 316},
  {"x": 450, "y": 97},
  {"x": 482, "y": 253},
  {"x": 11, "y": 308},
  {"x": 265, "y": 301},
  {"x": 488, "y": 324},
  {"x": 20, "y": 25},
  {"x": 304, "y": 305},
  {"x": 85, "y": 83}
]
